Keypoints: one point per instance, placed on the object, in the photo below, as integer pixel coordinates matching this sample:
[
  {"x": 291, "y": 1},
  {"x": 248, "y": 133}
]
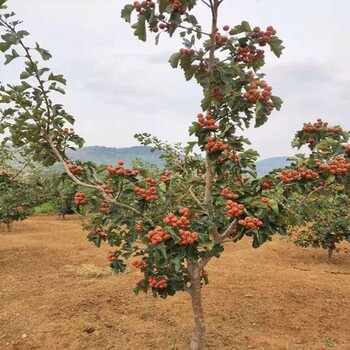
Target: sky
[{"x": 119, "y": 86}]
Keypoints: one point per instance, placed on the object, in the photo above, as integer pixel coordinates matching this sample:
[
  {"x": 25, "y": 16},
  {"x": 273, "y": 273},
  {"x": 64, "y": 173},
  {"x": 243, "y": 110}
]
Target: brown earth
[{"x": 56, "y": 292}]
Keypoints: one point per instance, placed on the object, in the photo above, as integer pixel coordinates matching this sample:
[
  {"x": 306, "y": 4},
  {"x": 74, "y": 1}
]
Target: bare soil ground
[{"x": 56, "y": 292}]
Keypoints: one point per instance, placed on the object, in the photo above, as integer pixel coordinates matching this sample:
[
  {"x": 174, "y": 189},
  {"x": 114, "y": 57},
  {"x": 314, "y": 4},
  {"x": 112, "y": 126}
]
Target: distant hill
[
  {"x": 266, "y": 165},
  {"x": 111, "y": 156}
]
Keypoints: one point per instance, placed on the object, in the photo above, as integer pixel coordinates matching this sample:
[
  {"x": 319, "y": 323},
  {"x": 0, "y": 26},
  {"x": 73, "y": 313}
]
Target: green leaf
[
  {"x": 190, "y": 71},
  {"x": 10, "y": 38},
  {"x": 273, "y": 204},
  {"x": 4, "y": 46},
  {"x": 330, "y": 179},
  {"x": 276, "y": 45},
  {"x": 58, "y": 78},
  {"x": 54, "y": 87},
  {"x": 206, "y": 101},
  {"x": 277, "y": 102},
  {"x": 163, "y": 4},
  {"x": 126, "y": 12},
  {"x": 10, "y": 58},
  {"x": 42, "y": 71},
  {"x": 174, "y": 59},
  {"x": 176, "y": 261},
  {"x": 2, "y": 4},
  {"x": 185, "y": 62},
  {"x": 140, "y": 28},
  {"x": 161, "y": 247},
  {"x": 24, "y": 75},
  {"x": 243, "y": 27},
  {"x": 162, "y": 187},
  {"x": 45, "y": 55},
  {"x": 118, "y": 266}
]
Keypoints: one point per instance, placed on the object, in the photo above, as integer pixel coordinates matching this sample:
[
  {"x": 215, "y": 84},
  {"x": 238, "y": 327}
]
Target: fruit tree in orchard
[
  {"x": 15, "y": 200},
  {"x": 171, "y": 222},
  {"x": 326, "y": 208}
]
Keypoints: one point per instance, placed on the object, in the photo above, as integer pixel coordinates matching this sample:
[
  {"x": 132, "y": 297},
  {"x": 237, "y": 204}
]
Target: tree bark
[
  {"x": 199, "y": 333},
  {"x": 330, "y": 253}
]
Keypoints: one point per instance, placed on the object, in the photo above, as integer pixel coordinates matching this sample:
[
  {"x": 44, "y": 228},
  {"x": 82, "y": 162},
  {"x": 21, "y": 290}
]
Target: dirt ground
[{"x": 56, "y": 292}]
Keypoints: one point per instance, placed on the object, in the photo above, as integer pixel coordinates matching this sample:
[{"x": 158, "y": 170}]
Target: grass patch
[{"x": 44, "y": 208}]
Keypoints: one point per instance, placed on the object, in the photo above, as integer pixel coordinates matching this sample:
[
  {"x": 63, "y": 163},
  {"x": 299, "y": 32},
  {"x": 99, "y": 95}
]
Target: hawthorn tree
[
  {"x": 15, "y": 200},
  {"x": 325, "y": 209},
  {"x": 172, "y": 222}
]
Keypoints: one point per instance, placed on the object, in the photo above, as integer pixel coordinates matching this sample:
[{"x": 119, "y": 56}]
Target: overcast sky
[{"x": 118, "y": 86}]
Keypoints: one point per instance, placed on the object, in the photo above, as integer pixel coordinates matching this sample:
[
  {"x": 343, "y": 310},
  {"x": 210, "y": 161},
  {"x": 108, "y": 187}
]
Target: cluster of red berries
[
  {"x": 259, "y": 91},
  {"x": 160, "y": 284},
  {"x": 318, "y": 126},
  {"x": 150, "y": 181},
  {"x": 106, "y": 189},
  {"x": 147, "y": 3},
  {"x": 247, "y": 54},
  {"x": 175, "y": 221},
  {"x": 79, "y": 198},
  {"x": 221, "y": 39},
  {"x": 288, "y": 176},
  {"x": 250, "y": 222},
  {"x": 148, "y": 194},
  {"x": 217, "y": 94},
  {"x": 215, "y": 145},
  {"x": 98, "y": 231},
  {"x": 321, "y": 126},
  {"x": 337, "y": 166},
  {"x": 73, "y": 168},
  {"x": 266, "y": 185},
  {"x": 176, "y": 5},
  {"x": 157, "y": 235},
  {"x": 187, "y": 237},
  {"x": 234, "y": 209},
  {"x": 208, "y": 122},
  {"x": 263, "y": 37},
  {"x": 139, "y": 264},
  {"x": 165, "y": 178},
  {"x": 111, "y": 256},
  {"x": 227, "y": 194},
  {"x": 307, "y": 173},
  {"x": 185, "y": 51},
  {"x": 103, "y": 207},
  {"x": 119, "y": 170}
]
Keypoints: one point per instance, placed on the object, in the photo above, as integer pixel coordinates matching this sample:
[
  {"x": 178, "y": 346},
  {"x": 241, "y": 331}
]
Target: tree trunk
[
  {"x": 330, "y": 253},
  {"x": 198, "y": 336},
  {"x": 8, "y": 225}
]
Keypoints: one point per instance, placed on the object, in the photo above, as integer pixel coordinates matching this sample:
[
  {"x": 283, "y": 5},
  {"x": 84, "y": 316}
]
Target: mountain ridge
[{"x": 111, "y": 156}]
